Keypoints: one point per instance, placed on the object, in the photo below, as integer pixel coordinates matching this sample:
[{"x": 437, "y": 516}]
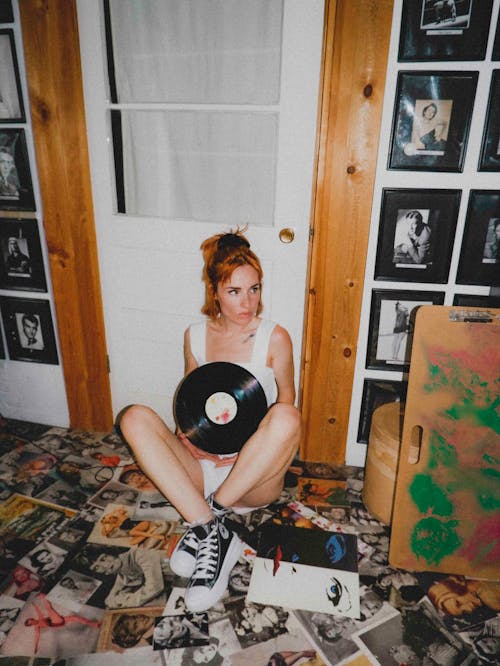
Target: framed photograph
[
  {"x": 416, "y": 233},
  {"x": 16, "y": 189},
  {"x": 21, "y": 262},
  {"x": 476, "y": 301},
  {"x": 392, "y": 322},
  {"x": 6, "y": 13},
  {"x": 432, "y": 114},
  {"x": 29, "y": 330},
  {"x": 377, "y": 392},
  {"x": 495, "y": 54},
  {"x": 444, "y": 30},
  {"x": 490, "y": 147},
  {"x": 480, "y": 253},
  {"x": 11, "y": 99}
]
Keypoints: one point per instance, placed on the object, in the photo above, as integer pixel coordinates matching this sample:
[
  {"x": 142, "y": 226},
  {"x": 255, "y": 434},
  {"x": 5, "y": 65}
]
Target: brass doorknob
[{"x": 287, "y": 234}]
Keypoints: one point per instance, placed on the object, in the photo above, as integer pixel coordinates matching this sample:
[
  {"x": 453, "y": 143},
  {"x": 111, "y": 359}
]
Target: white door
[{"x": 226, "y": 137}]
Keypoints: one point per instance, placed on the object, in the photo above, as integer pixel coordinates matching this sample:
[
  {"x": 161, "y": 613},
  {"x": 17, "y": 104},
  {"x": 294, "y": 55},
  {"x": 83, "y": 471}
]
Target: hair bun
[{"x": 232, "y": 240}]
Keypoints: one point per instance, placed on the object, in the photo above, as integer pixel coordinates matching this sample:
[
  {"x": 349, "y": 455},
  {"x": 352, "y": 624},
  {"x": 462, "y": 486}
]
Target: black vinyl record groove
[{"x": 218, "y": 406}]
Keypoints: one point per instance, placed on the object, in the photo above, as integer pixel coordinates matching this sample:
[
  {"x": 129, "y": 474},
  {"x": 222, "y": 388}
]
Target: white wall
[{"x": 470, "y": 178}]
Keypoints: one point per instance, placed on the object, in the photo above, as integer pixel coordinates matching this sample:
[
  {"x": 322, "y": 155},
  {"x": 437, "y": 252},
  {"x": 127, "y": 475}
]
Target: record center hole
[{"x": 221, "y": 408}]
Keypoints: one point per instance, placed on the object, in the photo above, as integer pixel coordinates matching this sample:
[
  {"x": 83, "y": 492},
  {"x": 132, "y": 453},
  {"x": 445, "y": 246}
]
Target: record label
[{"x": 219, "y": 406}]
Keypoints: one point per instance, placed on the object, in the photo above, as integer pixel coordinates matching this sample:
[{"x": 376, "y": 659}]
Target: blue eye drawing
[{"x": 336, "y": 548}]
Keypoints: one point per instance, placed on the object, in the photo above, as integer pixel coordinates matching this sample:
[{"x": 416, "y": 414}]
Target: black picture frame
[
  {"x": 479, "y": 262},
  {"x": 416, "y": 234},
  {"x": 16, "y": 187},
  {"x": 377, "y": 392},
  {"x": 392, "y": 314},
  {"x": 38, "y": 323},
  {"x": 495, "y": 54},
  {"x": 476, "y": 301},
  {"x": 432, "y": 114},
  {"x": 6, "y": 13},
  {"x": 489, "y": 159},
  {"x": 11, "y": 97},
  {"x": 21, "y": 260},
  {"x": 444, "y": 31}
]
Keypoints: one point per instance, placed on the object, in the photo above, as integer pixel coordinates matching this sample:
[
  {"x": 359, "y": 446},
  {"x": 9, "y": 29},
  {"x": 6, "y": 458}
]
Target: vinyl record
[{"x": 218, "y": 406}]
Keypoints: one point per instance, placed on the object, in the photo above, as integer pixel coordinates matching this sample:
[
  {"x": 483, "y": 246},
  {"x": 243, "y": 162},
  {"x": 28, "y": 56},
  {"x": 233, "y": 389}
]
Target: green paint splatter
[
  {"x": 491, "y": 459},
  {"x": 437, "y": 378},
  {"x": 433, "y": 539},
  {"x": 482, "y": 415},
  {"x": 441, "y": 453},
  {"x": 488, "y": 471},
  {"x": 428, "y": 496}
]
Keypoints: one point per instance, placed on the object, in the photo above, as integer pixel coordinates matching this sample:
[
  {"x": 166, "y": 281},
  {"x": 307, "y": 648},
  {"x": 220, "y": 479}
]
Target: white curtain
[{"x": 215, "y": 164}]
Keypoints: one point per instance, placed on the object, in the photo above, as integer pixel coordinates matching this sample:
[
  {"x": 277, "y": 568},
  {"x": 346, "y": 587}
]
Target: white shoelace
[
  {"x": 190, "y": 541},
  {"x": 207, "y": 556}
]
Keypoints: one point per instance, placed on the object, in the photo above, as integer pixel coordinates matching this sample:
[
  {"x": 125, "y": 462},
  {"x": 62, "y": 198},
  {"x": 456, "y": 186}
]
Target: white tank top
[{"x": 257, "y": 364}]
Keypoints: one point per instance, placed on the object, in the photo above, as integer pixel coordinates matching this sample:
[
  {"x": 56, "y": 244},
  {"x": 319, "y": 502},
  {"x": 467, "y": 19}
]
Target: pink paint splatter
[{"x": 484, "y": 544}]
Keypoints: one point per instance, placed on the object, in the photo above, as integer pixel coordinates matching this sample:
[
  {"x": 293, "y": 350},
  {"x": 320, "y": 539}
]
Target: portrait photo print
[
  {"x": 21, "y": 262},
  {"x": 377, "y": 392},
  {"x": 444, "y": 30},
  {"x": 29, "y": 330},
  {"x": 432, "y": 113},
  {"x": 11, "y": 101},
  {"x": 416, "y": 233},
  {"x": 392, "y": 321},
  {"x": 490, "y": 148},
  {"x": 479, "y": 262},
  {"x": 16, "y": 189}
]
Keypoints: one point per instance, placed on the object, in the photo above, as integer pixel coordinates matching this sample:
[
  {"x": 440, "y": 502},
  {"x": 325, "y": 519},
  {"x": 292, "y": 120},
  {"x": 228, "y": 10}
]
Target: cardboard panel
[{"x": 447, "y": 502}]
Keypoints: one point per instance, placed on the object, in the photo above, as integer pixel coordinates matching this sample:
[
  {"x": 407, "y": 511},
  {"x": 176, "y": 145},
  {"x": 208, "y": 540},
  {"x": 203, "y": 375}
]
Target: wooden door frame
[
  {"x": 355, "y": 53},
  {"x": 356, "y": 38},
  {"x": 53, "y": 72}
]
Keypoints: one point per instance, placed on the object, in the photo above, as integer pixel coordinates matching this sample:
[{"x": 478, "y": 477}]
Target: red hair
[{"x": 222, "y": 254}]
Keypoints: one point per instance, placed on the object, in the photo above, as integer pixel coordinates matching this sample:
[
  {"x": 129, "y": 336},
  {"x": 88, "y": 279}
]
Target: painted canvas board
[
  {"x": 447, "y": 500},
  {"x": 306, "y": 569}
]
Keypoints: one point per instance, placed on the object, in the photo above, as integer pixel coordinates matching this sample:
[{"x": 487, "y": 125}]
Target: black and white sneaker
[
  {"x": 183, "y": 558},
  {"x": 218, "y": 551}
]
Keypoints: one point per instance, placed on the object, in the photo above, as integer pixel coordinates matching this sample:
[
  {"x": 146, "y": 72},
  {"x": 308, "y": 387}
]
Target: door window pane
[
  {"x": 195, "y": 51},
  {"x": 212, "y": 166}
]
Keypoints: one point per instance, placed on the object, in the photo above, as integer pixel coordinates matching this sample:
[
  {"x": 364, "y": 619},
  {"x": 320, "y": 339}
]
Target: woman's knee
[
  {"x": 133, "y": 419},
  {"x": 286, "y": 420}
]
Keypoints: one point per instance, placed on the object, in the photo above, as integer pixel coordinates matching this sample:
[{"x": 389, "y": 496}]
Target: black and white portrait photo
[
  {"x": 16, "y": 189},
  {"x": 180, "y": 631},
  {"x": 16, "y": 257},
  {"x": 412, "y": 239},
  {"x": 491, "y": 251},
  {"x": 431, "y": 121},
  {"x": 29, "y": 330},
  {"x": 479, "y": 254},
  {"x": 9, "y": 179},
  {"x": 21, "y": 261},
  {"x": 432, "y": 115},
  {"x": 392, "y": 321},
  {"x": 445, "y": 15},
  {"x": 416, "y": 234},
  {"x": 490, "y": 149},
  {"x": 30, "y": 333},
  {"x": 11, "y": 105},
  {"x": 444, "y": 30}
]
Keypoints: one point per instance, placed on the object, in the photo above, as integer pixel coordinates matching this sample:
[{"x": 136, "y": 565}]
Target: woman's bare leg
[
  {"x": 257, "y": 476},
  {"x": 166, "y": 461}
]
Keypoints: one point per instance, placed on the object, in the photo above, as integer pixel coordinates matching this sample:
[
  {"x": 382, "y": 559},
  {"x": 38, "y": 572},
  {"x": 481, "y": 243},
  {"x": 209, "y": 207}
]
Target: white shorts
[{"x": 214, "y": 476}]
